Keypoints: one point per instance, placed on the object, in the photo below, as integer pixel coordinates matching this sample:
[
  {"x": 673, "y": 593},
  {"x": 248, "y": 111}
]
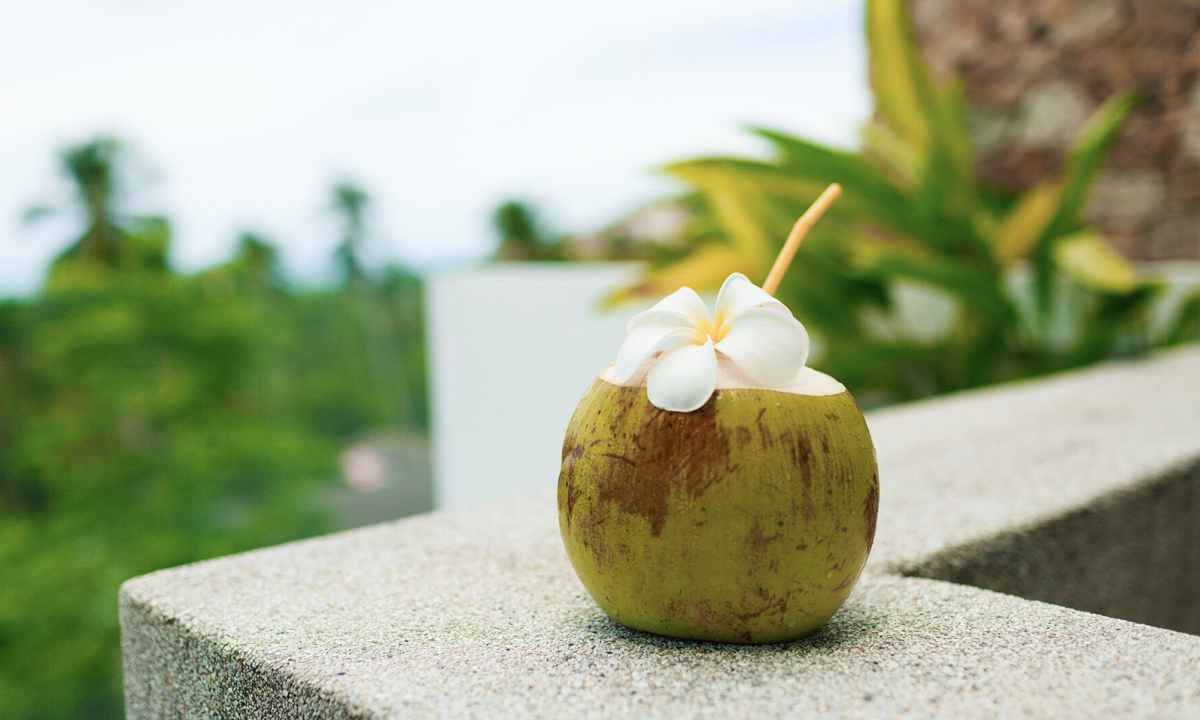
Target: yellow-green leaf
[
  {"x": 1085, "y": 159},
  {"x": 774, "y": 191},
  {"x": 738, "y": 205},
  {"x": 950, "y": 130},
  {"x": 903, "y": 89},
  {"x": 1024, "y": 225},
  {"x": 973, "y": 288},
  {"x": 928, "y": 118},
  {"x": 1089, "y": 260},
  {"x": 705, "y": 268},
  {"x": 897, "y": 158},
  {"x": 867, "y": 191}
]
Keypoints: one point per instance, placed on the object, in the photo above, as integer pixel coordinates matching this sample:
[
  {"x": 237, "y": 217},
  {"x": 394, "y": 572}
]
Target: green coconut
[{"x": 746, "y": 521}]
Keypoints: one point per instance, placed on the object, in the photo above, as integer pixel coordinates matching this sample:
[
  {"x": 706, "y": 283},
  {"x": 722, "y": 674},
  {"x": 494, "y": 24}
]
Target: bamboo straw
[{"x": 799, "y": 230}]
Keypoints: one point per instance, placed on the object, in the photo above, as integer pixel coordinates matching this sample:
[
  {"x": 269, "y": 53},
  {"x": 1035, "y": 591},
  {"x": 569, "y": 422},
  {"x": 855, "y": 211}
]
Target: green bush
[
  {"x": 132, "y": 440},
  {"x": 915, "y": 214},
  {"x": 149, "y": 419}
]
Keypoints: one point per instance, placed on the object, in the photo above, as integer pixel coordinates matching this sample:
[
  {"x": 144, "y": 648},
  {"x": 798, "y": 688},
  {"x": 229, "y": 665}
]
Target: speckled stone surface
[{"x": 477, "y": 614}]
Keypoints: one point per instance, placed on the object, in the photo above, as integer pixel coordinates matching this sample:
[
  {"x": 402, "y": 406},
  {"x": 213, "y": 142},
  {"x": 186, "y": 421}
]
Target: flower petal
[
  {"x": 682, "y": 307},
  {"x": 738, "y": 293},
  {"x": 647, "y": 339},
  {"x": 684, "y": 378},
  {"x": 769, "y": 345}
]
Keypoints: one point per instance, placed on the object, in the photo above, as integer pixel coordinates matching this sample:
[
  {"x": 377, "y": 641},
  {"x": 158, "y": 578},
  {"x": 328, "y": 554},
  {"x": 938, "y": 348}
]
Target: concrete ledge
[
  {"x": 1133, "y": 555},
  {"x": 1082, "y": 489}
]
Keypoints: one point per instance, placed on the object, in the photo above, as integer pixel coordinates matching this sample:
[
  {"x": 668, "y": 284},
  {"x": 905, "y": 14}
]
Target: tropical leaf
[
  {"x": 1086, "y": 158},
  {"x": 828, "y": 165},
  {"x": 1185, "y": 327},
  {"x": 904, "y": 92},
  {"x": 931, "y": 120},
  {"x": 1112, "y": 318},
  {"x": 950, "y": 128},
  {"x": 822, "y": 289},
  {"x": 947, "y": 185},
  {"x": 866, "y": 190},
  {"x": 1089, "y": 260},
  {"x": 737, "y": 200},
  {"x": 1020, "y": 230},
  {"x": 705, "y": 268},
  {"x": 902, "y": 370},
  {"x": 793, "y": 189},
  {"x": 895, "y": 158},
  {"x": 974, "y": 289}
]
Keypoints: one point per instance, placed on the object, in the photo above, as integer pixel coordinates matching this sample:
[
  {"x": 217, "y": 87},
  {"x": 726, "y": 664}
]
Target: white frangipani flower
[{"x": 751, "y": 328}]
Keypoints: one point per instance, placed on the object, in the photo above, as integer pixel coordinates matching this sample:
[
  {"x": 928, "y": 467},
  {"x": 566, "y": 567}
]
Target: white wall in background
[{"x": 512, "y": 348}]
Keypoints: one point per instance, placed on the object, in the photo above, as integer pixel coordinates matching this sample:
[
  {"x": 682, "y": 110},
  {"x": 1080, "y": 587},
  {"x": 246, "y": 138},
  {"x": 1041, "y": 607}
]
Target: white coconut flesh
[{"x": 732, "y": 377}]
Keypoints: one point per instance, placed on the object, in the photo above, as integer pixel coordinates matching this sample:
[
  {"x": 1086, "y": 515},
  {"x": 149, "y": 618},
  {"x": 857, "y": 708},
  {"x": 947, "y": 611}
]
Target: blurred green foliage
[
  {"x": 521, "y": 234},
  {"x": 1031, "y": 289},
  {"x": 150, "y": 419}
]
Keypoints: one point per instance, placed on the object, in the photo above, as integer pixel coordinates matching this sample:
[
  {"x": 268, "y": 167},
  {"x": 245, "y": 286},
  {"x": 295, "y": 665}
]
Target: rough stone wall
[{"x": 1035, "y": 69}]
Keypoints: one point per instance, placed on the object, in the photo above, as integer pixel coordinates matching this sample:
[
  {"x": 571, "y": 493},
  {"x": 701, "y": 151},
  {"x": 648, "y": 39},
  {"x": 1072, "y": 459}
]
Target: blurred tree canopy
[
  {"x": 521, "y": 234},
  {"x": 150, "y": 419}
]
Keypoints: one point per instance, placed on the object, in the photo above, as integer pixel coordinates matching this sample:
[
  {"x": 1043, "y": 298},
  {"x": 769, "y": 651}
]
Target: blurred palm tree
[
  {"x": 95, "y": 168},
  {"x": 91, "y": 166},
  {"x": 369, "y": 304},
  {"x": 521, "y": 235},
  {"x": 350, "y": 205},
  {"x": 257, "y": 260}
]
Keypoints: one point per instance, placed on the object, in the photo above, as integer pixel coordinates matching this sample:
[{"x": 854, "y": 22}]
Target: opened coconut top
[
  {"x": 682, "y": 353},
  {"x": 731, "y": 377}
]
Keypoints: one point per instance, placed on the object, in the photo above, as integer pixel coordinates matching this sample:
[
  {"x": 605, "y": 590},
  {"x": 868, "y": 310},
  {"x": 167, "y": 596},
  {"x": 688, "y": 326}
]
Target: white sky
[{"x": 245, "y": 113}]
